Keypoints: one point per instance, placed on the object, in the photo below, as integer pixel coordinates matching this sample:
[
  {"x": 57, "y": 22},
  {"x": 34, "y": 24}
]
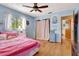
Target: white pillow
[{"x": 3, "y": 36}]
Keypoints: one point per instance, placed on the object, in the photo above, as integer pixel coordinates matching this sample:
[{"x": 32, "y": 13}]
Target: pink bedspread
[{"x": 16, "y": 46}]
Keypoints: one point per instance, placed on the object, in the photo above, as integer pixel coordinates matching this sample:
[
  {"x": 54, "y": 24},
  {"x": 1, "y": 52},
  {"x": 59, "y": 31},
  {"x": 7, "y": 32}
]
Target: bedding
[
  {"x": 0, "y": 32},
  {"x": 19, "y": 46},
  {"x": 3, "y": 36},
  {"x": 10, "y": 35}
]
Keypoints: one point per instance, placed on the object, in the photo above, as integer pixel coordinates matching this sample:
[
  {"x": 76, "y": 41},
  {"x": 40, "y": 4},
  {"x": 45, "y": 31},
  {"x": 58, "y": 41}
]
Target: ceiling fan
[{"x": 36, "y": 7}]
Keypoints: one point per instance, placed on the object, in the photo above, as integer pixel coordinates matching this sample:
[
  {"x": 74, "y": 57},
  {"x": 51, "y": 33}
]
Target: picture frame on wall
[{"x": 54, "y": 20}]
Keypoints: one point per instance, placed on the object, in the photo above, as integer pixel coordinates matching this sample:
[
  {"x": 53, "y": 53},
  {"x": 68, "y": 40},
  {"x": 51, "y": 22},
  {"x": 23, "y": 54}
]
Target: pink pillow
[{"x": 10, "y": 35}]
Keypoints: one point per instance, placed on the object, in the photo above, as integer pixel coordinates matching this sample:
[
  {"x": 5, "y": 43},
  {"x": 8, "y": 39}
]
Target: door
[
  {"x": 46, "y": 29},
  {"x": 66, "y": 33},
  {"x": 42, "y": 29},
  {"x": 40, "y": 24}
]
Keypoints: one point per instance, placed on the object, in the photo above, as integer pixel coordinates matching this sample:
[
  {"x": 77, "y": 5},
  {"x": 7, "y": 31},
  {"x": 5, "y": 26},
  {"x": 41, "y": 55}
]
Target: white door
[
  {"x": 42, "y": 29},
  {"x": 46, "y": 29}
]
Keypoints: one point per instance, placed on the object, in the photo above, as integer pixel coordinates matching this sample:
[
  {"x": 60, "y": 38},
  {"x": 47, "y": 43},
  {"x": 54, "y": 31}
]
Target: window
[{"x": 16, "y": 23}]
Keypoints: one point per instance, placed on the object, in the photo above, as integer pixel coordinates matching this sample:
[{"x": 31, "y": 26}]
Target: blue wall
[
  {"x": 30, "y": 29},
  {"x": 58, "y": 25}
]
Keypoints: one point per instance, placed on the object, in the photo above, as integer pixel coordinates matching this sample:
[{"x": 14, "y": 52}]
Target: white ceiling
[{"x": 51, "y": 7}]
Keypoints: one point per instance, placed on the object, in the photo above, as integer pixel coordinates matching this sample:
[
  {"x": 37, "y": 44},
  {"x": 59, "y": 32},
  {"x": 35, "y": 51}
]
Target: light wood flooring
[{"x": 48, "y": 48}]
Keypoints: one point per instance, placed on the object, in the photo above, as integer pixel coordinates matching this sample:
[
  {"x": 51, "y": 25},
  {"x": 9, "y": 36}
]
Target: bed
[{"x": 19, "y": 46}]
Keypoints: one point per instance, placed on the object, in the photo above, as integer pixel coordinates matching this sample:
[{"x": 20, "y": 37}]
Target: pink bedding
[
  {"x": 17, "y": 46},
  {"x": 10, "y": 33}
]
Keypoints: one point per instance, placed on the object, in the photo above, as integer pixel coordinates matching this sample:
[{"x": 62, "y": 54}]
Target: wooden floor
[{"x": 54, "y": 49}]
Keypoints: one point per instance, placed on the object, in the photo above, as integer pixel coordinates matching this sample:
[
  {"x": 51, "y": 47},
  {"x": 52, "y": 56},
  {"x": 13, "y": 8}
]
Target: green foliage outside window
[{"x": 16, "y": 23}]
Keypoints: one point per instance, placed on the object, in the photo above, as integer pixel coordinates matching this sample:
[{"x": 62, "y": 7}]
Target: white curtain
[{"x": 8, "y": 22}]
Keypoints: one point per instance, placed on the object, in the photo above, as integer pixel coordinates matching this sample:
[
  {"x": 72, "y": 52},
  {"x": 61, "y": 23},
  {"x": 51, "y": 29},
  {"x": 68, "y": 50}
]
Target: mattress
[{"x": 20, "y": 46}]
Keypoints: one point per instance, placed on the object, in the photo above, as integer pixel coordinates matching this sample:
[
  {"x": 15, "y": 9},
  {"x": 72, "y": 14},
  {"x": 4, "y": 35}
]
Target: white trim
[{"x": 72, "y": 28}]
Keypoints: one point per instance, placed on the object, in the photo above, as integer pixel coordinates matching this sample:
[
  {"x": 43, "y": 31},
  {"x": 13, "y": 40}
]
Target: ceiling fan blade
[
  {"x": 39, "y": 10},
  {"x": 35, "y": 4},
  {"x": 31, "y": 10},
  {"x": 27, "y": 6},
  {"x": 43, "y": 6}
]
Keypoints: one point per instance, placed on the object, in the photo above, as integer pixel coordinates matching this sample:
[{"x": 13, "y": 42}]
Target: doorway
[
  {"x": 66, "y": 33},
  {"x": 66, "y": 28}
]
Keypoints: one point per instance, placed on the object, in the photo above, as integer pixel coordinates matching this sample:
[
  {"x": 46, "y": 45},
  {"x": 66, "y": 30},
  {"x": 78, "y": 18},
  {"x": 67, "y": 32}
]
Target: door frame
[{"x": 72, "y": 28}]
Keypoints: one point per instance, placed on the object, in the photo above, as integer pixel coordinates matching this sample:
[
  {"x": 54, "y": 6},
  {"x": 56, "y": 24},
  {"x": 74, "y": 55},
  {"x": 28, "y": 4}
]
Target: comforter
[{"x": 17, "y": 45}]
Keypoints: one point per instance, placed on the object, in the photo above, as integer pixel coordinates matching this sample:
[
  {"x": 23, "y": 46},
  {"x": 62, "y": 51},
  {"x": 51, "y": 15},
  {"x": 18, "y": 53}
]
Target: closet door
[
  {"x": 42, "y": 29},
  {"x": 40, "y": 25},
  {"x": 46, "y": 29}
]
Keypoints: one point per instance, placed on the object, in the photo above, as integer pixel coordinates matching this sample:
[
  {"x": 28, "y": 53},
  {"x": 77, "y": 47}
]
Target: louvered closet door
[
  {"x": 40, "y": 25},
  {"x": 46, "y": 33},
  {"x": 42, "y": 30}
]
